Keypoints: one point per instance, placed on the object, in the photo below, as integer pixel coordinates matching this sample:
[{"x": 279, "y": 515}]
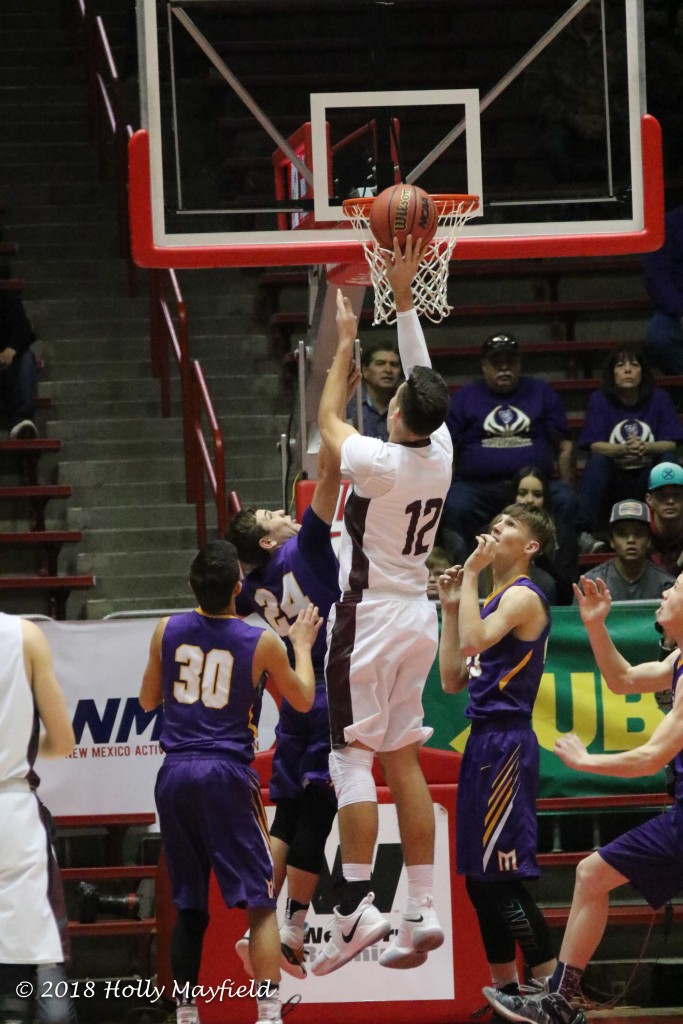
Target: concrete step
[
  {"x": 240, "y": 427},
  {"x": 262, "y": 492},
  {"x": 143, "y": 539},
  {"x": 65, "y": 128},
  {"x": 159, "y": 586},
  {"x": 121, "y": 471},
  {"x": 51, "y": 216},
  {"x": 142, "y": 494},
  {"x": 100, "y": 430},
  {"x": 107, "y": 565},
  {"x": 105, "y": 381},
  {"x": 57, "y": 192},
  {"x": 58, "y": 152},
  {"x": 133, "y": 517},
  {"x": 100, "y": 608},
  {"x": 260, "y": 450},
  {"x": 70, "y": 406},
  {"x": 74, "y": 351}
]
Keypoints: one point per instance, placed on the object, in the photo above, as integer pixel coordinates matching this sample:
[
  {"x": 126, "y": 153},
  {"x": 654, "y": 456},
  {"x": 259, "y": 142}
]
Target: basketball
[{"x": 403, "y": 210}]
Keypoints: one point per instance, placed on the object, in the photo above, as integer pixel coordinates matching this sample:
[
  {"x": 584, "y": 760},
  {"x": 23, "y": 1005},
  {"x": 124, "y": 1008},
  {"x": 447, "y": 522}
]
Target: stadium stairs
[{"x": 122, "y": 461}]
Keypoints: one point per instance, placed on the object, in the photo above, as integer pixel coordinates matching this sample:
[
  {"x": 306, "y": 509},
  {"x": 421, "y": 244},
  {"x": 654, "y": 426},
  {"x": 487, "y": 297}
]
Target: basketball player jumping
[
  {"x": 650, "y": 856},
  {"x": 499, "y": 652},
  {"x": 383, "y": 633}
]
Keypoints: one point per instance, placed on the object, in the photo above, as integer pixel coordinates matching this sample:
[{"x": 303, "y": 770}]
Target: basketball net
[{"x": 431, "y": 281}]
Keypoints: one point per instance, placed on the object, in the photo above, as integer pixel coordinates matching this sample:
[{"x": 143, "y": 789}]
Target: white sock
[
  {"x": 420, "y": 883},
  {"x": 357, "y": 872}
]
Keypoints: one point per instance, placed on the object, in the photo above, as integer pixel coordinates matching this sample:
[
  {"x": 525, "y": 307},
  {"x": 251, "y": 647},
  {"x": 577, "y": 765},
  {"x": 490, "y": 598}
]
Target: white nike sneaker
[
  {"x": 292, "y": 949},
  {"x": 349, "y": 935},
  {"x": 242, "y": 950},
  {"x": 418, "y": 934}
]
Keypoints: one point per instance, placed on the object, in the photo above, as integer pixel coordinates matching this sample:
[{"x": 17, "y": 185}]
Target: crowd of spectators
[{"x": 512, "y": 443}]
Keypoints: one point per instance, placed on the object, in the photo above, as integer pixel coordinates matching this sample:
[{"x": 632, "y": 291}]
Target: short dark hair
[
  {"x": 370, "y": 350},
  {"x": 629, "y": 350},
  {"x": 214, "y": 573},
  {"x": 245, "y": 532},
  {"x": 424, "y": 401},
  {"x": 538, "y": 521}
]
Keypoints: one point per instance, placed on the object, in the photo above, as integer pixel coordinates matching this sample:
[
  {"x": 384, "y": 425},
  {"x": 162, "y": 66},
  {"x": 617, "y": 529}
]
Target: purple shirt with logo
[{"x": 495, "y": 435}]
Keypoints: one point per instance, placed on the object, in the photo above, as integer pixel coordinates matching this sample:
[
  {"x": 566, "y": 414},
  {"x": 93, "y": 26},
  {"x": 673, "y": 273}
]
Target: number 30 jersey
[
  {"x": 210, "y": 703},
  {"x": 392, "y": 512}
]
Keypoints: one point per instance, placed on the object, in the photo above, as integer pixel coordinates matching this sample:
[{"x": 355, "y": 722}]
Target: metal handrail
[
  {"x": 106, "y": 119},
  {"x": 169, "y": 332},
  {"x": 203, "y": 465}
]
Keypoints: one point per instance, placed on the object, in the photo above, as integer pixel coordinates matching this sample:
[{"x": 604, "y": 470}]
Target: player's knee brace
[
  {"x": 351, "y": 774},
  {"x": 186, "y": 946},
  {"x": 307, "y": 849},
  {"x": 498, "y": 942},
  {"x": 516, "y": 910},
  {"x": 286, "y": 820}
]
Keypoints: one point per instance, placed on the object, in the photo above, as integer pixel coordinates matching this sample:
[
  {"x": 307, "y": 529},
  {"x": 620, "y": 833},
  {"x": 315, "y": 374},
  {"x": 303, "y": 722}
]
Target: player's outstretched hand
[
  {"x": 450, "y": 587},
  {"x": 483, "y": 553},
  {"x": 347, "y": 321},
  {"x": 572, "y": 751},
  {"x": 401, "y": 267},
  {"x": 306, "y": 627},
  {"x": 593, "y": 598}
]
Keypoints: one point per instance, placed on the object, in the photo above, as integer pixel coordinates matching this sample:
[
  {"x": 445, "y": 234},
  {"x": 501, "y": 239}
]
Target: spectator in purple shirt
[
  {"x": 663, "y": 275},
  {"x": 630, "y": 425},
  {"x": 500, "y": 423}
]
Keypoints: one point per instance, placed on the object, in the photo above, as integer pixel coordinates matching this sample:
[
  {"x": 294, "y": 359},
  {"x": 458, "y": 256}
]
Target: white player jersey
[
  {"x": 393, "y": 509},
  {"x": 18, "y": 718},
  {"x": 392, "y": 512}
]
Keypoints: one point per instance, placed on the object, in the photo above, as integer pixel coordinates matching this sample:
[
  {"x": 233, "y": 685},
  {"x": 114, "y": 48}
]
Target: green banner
[{"x": 573, "y": 697}]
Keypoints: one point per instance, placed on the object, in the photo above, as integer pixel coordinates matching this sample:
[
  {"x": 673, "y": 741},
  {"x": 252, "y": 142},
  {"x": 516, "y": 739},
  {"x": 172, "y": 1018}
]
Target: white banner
[
  {"x": 114, "y": 766},
  {"x": 363, "y": 980}
]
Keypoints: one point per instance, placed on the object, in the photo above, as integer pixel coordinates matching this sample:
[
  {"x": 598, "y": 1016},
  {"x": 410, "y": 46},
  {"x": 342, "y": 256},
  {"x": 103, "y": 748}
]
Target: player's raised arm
[
  {"x": 297, "y": 685},
  {"x": 401, "y": 269},
  {"x": 332, "y": 409},
  {"x": 594, "y": 602},
  {"x": 452, "y": 664}
]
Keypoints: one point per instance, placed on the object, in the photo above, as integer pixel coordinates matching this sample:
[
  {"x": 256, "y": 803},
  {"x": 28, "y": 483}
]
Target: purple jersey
[
  {"x": 495, "y": 435},
  {"x": 303, "y": 571},
  {"x": 678, "y": 760},
  {"x": 504, "y": 679},
  {"x": 608, "y": 420},
  {"x": 211, "y": 706}
]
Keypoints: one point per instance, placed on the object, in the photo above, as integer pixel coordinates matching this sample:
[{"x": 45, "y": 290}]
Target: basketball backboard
[{"x": 262, "y": 116}]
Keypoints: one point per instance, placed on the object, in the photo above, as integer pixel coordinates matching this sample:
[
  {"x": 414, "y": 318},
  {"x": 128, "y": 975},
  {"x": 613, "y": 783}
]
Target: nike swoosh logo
[
  {"x": 348, "y": 938},
  {"x": 413, "y": 920}
]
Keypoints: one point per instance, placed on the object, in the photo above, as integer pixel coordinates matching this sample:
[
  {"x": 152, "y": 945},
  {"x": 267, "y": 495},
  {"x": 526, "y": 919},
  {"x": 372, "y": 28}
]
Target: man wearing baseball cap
[
  {"x": 629, "y": 576},
  {"x": 665, "y": 499},
  {"x": 500, "y": 423}
]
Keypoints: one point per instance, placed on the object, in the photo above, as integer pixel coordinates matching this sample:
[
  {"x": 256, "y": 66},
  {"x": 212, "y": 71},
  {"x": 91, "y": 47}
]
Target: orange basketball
[{"x": 403, "y": 210}]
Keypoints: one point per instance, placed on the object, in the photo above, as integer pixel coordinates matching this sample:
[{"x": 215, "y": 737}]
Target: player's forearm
[
  {"x": 412, "y": 346},
  {"x": 303, "y": 668},
  {"x": 332, "y": 408},
  {"x": 469, "y": 619},
  {"x": 452, "y": 665},
  {"x": 614, "y": 667},
  {"x": 631, "y": 764}
]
